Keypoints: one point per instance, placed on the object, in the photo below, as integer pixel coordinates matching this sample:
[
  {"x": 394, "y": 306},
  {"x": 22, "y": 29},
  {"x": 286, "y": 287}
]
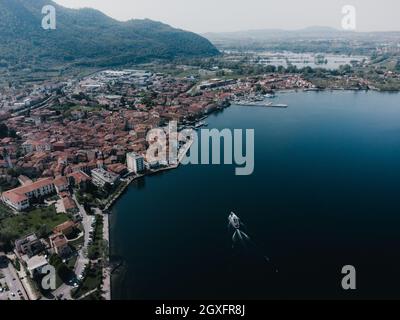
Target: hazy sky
[{"x": 233, "y": 15}]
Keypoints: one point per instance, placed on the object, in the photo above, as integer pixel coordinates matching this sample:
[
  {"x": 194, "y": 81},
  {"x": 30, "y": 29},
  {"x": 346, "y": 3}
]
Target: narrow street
[{"x": 64, "y": 291}]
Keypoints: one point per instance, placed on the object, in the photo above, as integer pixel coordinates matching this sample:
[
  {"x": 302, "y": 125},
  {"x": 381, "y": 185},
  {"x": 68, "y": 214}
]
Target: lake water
[{"x": 324, "y": 194}]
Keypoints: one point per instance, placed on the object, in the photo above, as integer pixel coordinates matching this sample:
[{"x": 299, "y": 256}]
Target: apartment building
[
  {"x": 135, "y": 162},
  {"x": 101, "y": 177},
  {"x": 18, "y": 198}
]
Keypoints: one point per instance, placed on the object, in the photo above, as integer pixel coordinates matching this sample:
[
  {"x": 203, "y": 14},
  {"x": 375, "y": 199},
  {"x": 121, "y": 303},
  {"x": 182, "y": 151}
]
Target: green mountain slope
[{"x": 88, "y": 37}]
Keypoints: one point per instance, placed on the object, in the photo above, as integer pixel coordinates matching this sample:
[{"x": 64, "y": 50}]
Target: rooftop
[{"x": 36, "y": 262}]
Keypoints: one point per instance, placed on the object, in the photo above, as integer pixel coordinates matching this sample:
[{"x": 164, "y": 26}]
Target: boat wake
[
  {"x": 241, "y": 241},
  {"x": 240, "y": 236}
]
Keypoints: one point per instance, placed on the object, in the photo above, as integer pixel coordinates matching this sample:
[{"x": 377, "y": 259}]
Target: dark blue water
[{"x": 324, "y": 194}]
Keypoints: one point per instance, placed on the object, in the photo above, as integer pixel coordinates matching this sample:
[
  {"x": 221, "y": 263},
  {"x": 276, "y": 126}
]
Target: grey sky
[{"x": 233, "y": 15}]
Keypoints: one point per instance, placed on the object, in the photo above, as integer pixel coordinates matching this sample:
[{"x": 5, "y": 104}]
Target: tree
[
  {"x": 62, "y": 270},
  {"x": 6, "y": 238},
  {"x": 43, "y": 231},
  {"x": 93, "y": 252},
  {"x": 346, "y": 69},
  {"x": 108, "y": 188},
  {"x": 3, "y": 130}
]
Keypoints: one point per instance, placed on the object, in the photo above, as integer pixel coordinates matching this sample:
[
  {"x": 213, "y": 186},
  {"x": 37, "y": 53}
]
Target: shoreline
[
  {"x": 181, "y": 155},
  {"x": 107, "y": 271},
  {"x": 107, "y": 286}
]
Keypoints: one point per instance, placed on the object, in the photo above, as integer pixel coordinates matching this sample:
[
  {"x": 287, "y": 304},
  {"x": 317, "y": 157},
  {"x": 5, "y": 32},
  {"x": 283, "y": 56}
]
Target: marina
[
  {"x": 200, "y": 124},
  {"x": 261, "y": 104}
]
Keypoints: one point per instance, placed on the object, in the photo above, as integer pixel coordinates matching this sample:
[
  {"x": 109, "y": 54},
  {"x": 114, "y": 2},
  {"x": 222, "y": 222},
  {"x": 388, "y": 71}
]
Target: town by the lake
[{"x": 75, "y": 166}]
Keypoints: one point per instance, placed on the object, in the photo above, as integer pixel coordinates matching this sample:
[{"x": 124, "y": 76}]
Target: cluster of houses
[
  {"x": 90, "y": 144},
  {"x": 21, "y": 197},
  {"x": 35, "y": 252},
  {"x": 14, "y": 97},
  {"x": 96, "y": 145}
]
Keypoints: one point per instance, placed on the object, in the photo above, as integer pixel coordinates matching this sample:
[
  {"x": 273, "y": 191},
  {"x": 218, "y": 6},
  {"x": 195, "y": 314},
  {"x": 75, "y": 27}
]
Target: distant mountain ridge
[
  {"x": 314, "y": 32},
  {"x": 315, "y": 39},
  {"x": 89, "y": 37}
]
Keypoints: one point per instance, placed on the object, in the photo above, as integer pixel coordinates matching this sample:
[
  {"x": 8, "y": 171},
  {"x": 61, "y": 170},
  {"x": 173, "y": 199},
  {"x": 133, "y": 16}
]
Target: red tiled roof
[
  {"x": 14, "y": 197},
  {"x": 79, "y": 176},
  {"x": 58, "y": 240},
  {"x": 69, "y": 203},
  {"x": 64, "y": 226},
  {"x": 19, "y": 194},
  {"x": 60, "y": 181}
]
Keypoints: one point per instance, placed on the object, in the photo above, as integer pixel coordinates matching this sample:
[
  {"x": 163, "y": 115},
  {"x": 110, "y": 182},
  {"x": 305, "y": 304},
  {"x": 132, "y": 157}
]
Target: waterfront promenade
[{"x": 106, "y": 289}]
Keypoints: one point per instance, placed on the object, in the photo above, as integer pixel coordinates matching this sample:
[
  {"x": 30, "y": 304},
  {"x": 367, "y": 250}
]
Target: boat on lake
[{"x": 234, "y": 220}]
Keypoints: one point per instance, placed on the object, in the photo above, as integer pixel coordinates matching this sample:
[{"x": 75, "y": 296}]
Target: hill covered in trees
[{"x": 87, "y": 37}]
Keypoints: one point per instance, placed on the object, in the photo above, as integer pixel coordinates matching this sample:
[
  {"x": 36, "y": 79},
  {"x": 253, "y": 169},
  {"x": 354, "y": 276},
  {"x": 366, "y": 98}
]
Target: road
[
  {"x": 107, "y": 270},
  {"x": 17, "y": 291},
  {"x": 86, "y": 223},
  {"x": 64, "y": 291}
]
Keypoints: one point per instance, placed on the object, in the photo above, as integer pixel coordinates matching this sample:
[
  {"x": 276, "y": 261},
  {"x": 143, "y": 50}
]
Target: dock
[{"x": 262, "y": 104}]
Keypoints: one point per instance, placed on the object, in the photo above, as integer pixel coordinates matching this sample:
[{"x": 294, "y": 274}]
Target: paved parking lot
[{"x": 17, "y": 291}]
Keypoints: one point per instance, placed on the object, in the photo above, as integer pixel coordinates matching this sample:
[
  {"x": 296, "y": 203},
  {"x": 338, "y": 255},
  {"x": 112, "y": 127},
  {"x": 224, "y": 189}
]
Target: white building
[
  {"x": 38, "y": 146},
  {"x": 101, "y": 177},
  {"x": 36, "y": 264},
  {"x": 135, "y": 162},
  {"x": 18, "y": 198},
  {"x": 61, "y": 184}
]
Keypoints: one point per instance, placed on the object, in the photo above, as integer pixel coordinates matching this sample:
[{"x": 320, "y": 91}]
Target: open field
[{"x": 41, "y": 221}]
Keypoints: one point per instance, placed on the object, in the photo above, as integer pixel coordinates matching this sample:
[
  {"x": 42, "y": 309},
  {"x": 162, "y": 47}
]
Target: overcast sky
[{"x": 234, "y": 15}]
